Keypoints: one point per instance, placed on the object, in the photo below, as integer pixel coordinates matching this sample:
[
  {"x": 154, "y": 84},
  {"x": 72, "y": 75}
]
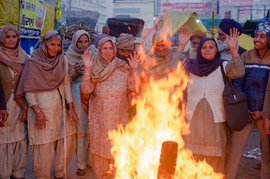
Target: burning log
[{"x": 167, "y": 160}]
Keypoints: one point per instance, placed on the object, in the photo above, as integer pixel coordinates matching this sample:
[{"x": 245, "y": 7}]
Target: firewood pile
[{"x": 67, "y": 31}]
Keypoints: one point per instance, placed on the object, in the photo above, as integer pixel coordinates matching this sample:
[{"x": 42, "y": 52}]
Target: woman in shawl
[
  {"x": 46, "y": 86},
  {"x": 13, "y": 146},
  {"x": 163, "y": 58},
  {"x": 109, "y": 81},
  {"x": 204, "y": 107},
  {"x": 80, "y": 43}
]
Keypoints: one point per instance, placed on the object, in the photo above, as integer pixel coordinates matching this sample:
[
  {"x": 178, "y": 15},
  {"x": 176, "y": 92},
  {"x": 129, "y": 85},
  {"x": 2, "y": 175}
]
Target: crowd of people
[{"x": 58, "y": 104}]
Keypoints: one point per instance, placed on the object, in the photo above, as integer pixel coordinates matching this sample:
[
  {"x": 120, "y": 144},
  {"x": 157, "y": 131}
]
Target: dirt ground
[
  {"x": 245, "y": 171},
  {"x": 246, "y": 168}
]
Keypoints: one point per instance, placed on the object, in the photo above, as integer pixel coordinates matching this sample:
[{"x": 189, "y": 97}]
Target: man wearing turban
[
  {"x": 225, "y": 26},
  {"x": 125, "y": 45}
]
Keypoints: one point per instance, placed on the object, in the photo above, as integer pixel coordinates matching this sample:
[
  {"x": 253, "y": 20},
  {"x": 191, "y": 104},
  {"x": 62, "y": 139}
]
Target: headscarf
[
  {"x": 14, "y": 58},
  {"x": 226, "y": 24},
  {"x": 102, "y": 68},
  {"x": 264, "y": 26},
  {"x": 125, "y": 42},
  {"x": 157, "y": 60},
  {"x": 98, "y": 38},
  {"x": 202, "y": 66},
  {"x": 42, "y": 72},
  {"x": 74, "y": 55}
]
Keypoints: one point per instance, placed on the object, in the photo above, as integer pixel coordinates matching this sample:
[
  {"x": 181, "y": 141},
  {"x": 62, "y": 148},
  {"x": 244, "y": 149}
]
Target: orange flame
[{"x": 136, "y": 148}]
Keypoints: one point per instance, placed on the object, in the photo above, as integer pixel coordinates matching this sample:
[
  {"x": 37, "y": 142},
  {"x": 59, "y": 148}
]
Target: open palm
[{"x": 232, "y": 40}]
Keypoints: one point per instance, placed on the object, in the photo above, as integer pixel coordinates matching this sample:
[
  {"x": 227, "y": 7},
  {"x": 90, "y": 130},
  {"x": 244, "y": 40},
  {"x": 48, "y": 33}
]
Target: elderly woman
[
  {"x": 204, "y": 107},
  {"x": 46, "y": 86},
  {"x": 13, "y": 146},
  {"x": 80, "y": 43},
  {"x": 254, "y": 84},
  {"x": 109, "y": 81},
  {"x": 162, "y": 59}
]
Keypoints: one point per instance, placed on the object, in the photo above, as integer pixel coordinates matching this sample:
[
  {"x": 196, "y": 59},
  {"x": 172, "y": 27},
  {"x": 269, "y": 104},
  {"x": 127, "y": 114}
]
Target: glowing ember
[{"x": 159, "y": 118}]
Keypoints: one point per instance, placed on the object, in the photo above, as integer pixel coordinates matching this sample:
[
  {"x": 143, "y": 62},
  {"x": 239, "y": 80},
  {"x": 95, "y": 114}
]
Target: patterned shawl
[{"x": 101, "y": 68}]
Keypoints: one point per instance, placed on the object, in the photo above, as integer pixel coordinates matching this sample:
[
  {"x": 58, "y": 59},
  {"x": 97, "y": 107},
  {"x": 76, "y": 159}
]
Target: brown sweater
[{"x": 3, "y": 105}]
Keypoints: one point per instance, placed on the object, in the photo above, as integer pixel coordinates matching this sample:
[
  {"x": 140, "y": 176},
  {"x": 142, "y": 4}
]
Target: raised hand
[
  {"x": 88, "y": 60},
  {"x": 133, "y": 61},
  {"x": 232, "y": 41},
  {"x": 183, "y": 36}
]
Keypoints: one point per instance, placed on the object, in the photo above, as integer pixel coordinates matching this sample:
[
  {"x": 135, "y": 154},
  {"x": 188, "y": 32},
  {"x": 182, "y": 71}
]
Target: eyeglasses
[
  {"x": 221, "y": 34},
  {"x": 195, "y": 43}
]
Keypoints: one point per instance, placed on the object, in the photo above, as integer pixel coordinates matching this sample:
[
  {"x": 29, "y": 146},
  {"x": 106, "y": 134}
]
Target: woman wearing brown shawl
[
  {"x": 46, "y": 86},
  {"x": 13, "y": 146},
  {"x": 109, "y": 83},
  {"x": 163, "y": 58},
  {"x": 80, "y": 43}
]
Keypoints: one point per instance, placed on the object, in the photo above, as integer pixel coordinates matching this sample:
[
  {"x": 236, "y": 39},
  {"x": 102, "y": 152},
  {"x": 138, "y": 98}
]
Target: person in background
[
  {"x": 162, "y": 58},
  {"x": 204, "y": 107},
  {"x": 257, "y": 68},
  {"x": 125, "y": 46},
  {"x": 224, "y": 28},
  {"x": 13, "y": 133},
  {"x": 194, "y": 39},
  {"x": 109, "y": 80},
  {"x": 80, "y": 43},
  {"x": 51, "y": 116}
]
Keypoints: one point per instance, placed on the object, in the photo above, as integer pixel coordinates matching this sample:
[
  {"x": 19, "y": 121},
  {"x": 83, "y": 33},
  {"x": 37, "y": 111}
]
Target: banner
[{"x": 32, "y": 16}]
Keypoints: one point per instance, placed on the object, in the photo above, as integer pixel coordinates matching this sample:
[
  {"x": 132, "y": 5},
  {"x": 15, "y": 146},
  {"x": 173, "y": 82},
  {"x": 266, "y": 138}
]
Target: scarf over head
[
  {"x": 102, "y": 68},
  {"x": 264, "y": 26},
  {"x": 74, "y": 55},
  {"x": 201, "y": 66},
  {"x": 42, "y": 72},
  {"x": 14, "y": 58},
  {"x": 157, "y": 60}
]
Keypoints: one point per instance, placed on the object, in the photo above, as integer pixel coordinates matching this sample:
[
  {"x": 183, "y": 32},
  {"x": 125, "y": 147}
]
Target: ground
[{"x": 245, "y": 171}]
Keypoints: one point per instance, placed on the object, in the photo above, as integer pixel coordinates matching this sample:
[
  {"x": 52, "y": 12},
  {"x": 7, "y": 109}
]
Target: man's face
[
  {"x": 125, "y": 53},
  {"x": 260, "y": 40},
  {"x": 221, "y": 35},
  {"x": 195, "y": 41}
]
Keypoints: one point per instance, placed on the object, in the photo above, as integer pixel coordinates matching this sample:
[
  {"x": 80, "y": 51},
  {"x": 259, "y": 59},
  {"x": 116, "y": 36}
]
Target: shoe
[
  {"x": 80, "y": 172},
  {"x": 257, "y": 165}
]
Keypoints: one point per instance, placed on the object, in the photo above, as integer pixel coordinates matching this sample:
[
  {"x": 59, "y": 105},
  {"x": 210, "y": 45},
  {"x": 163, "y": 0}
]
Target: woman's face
[
  {"x": 54, "y": 46},
  {"x": 107, "y": 51},
  {"x": 83, "y": 43},
  {"x": 11, "y": 39},
  {"x": 162, "y": 47},
  {"x": 209, "y": 50},
  {"x": 260, "y": 41}
]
